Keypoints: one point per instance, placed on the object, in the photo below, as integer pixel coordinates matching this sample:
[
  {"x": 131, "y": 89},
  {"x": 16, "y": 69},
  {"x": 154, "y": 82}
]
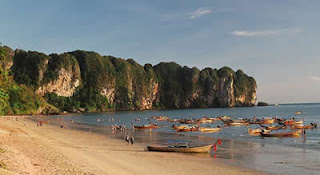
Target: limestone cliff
[
  {"x": 61, "y": 77},
  {"x": 86, "y": 80}
]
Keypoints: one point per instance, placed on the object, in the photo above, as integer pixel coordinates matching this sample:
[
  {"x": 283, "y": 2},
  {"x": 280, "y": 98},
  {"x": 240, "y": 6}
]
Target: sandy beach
[{"x": 28, "y": 149}]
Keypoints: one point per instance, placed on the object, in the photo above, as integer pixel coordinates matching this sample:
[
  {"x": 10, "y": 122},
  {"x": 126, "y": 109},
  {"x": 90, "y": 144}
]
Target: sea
[{"x": 298, "y": 155}]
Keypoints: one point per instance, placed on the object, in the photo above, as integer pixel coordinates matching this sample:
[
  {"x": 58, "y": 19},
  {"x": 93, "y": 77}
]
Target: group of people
[
  {"x": 314, "y": 124},
  {"x": 117, "y": 128}
]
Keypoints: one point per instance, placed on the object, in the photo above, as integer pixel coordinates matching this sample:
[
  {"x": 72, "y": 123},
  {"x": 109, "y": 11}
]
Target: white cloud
[
  {"x": 265, "y": 32},
  {"x": 316, "y": 78},
  {"x": 257, "y": 33},
  {"x": 199, "y": 12}
]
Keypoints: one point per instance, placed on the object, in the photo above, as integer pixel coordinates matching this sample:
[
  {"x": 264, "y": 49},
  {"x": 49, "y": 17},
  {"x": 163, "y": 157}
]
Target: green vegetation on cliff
[
  {"x": 14, "y": 98},
  {"x": 33, "y": 82}
]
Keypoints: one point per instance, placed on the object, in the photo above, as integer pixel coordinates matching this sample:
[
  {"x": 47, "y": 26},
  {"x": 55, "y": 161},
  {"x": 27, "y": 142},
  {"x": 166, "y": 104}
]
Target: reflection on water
[{"x": 275, "y": 155}]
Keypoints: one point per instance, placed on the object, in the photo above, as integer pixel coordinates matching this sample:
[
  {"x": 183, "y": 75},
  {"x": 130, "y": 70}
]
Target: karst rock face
[{"x": 87, "y": 80}]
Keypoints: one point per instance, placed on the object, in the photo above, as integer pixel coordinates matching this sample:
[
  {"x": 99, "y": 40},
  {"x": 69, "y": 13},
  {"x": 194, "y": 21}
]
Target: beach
[{"x": 50, "y": 149}]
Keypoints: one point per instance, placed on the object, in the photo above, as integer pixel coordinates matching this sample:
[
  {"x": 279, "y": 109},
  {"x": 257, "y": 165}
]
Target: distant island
[{"x": 82, "y": 81}]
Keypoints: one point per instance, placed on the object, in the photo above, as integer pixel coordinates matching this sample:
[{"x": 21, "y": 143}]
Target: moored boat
[
  {"x": 187, "y": 121},
  {"x": 293, "y": 122},
  {"x": 238, "y": 122},
  {"x": 206, "y": 120},
  {"x": 161, "y": 118},
  {"x": 224, "y": 118},
  {"x": 188, "y": 129},
  {"x": 264, "y": 121},
  {"x": 276, "y": 127},
  {"x": 303, "y": 127},
  {"x": 258, "y": 131},
  {"x": 287, "y": 134},
  {"x": 146, "y": 127},
  {"x": 209, "y": 130},
  {"x": 179, "y": 127}
]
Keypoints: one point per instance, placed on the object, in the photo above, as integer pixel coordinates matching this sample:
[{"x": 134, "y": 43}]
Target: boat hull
[
  {"x": 146, "y": 127},
  {"x": 201, "y": 149},
  {"x": 289, "y": 134},
  {"x": 209, "y": 130}
]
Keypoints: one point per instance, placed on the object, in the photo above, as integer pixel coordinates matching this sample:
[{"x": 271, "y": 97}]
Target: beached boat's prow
[{"x": 181, "y": 149}]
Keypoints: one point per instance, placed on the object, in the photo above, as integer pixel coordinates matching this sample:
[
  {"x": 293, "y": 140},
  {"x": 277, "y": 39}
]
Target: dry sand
[{"x": 28, "y": 149}]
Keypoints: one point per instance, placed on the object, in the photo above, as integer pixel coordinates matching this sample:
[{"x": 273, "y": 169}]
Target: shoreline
[{"x": 52, "y": 150}]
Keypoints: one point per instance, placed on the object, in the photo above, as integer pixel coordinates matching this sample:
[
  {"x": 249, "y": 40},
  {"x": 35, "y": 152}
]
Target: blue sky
[{"x": 274, "y": 41}]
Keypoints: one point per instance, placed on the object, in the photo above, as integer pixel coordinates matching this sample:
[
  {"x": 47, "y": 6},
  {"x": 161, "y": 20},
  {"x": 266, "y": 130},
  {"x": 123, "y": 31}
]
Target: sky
[{"x": 275, "y": 41}]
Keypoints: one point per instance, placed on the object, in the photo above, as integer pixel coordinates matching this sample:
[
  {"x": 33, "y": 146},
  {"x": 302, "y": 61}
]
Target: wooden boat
[
  {"x": 266, "y": 121},
  {"x": 239, "y": 122},
  {"x": 146, "y": 127},
  {"x": 258, "y": 131},
  {"x": 276, "y": 127},
  {"x": 209, "y": 130},
  {"x": 186, "y": 121},
  {"x": 188, "y": 129},
  {"x": 224, "y": 118},
  {"x": 293, "y": 122},
  {"x": 206, "y": 120},
  {"x": 161, "y": 118},
  {"x": 173, "y": 120},
  {"x": 181, "y": 149},
  {"x": 303, "y": 127},
  {"x": 179, "y": 127},
  {"x": 287, "y": 134}
]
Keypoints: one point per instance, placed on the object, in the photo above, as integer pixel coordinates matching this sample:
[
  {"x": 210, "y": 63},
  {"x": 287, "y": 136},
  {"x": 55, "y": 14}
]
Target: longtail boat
[
  {"x": 186, "y": 121},
  {"x": 303, "y": 127},
  {"x": 206, "y": 120},
  {"x": 287, "y": 134},
  {"x": 224, "y": 118},
  {"x": 266, "y": 121},
  {"x": 256, "y": 132},
  {"x": 239, "y": 122},
  {"x": 188, "y": 129},
  {"x": 293, "y": 122},
  {"x": 161, "y": 118},
  {"x": 181, "y": 148},
  {"x": 146, "y": 127},
  {"x": 173, "y": 120},
  {"x": 276, "y": 127},
  {"x": 209, "y": 130},
  {"x": 179, "y": 127}
]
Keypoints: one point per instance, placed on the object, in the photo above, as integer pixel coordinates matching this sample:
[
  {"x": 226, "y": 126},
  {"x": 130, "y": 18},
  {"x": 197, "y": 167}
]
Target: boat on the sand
[{"x": 181, "y": 148}]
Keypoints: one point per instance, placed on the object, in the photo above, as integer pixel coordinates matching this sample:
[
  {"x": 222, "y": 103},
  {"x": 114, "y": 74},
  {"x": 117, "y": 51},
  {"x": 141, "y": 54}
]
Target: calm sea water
[{"x": 274, "y": 155}]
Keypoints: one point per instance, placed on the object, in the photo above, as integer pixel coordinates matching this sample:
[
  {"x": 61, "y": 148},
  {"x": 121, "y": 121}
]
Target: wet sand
[{"x": 28, "y": 149}]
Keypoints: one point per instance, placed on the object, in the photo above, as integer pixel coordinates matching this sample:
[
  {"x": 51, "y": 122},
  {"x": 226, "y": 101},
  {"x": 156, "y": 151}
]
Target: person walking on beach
[{"x": 131, "y": 140}]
